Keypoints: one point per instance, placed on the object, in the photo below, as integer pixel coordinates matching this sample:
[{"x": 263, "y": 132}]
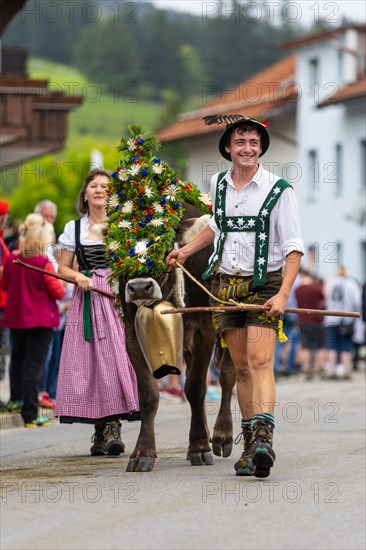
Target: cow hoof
[
  {"x": 199, "y": 459},
  {"x": 143, "y": 464},
  {"x": 222, "y": 448}
]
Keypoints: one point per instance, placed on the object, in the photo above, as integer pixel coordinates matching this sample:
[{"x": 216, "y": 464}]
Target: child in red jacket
[{"x": 31, "y": 313}]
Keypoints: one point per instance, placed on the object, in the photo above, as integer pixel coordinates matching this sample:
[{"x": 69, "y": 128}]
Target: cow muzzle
[{"x": 144, "y": 288}]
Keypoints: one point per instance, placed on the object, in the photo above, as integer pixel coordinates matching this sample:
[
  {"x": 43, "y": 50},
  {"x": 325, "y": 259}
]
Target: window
[
  {"x": 363, "y": 166},
  {"x": 339, "y": 170},
  {"x": 314, "y": 71},
  {"x": 313, "y": 175},
  {"x": 340, "y": 67}
]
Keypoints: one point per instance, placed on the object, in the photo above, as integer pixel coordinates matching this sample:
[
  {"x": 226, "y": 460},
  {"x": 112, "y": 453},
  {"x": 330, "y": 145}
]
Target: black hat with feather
[{"x": 232, "y": 122}]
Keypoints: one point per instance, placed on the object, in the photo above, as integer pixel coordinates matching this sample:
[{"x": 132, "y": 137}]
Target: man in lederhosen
[{"x": 256, "y": 234}]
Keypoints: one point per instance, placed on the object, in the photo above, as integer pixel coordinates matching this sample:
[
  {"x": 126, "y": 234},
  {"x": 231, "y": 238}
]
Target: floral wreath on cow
[{"x": 144, "y": 207}]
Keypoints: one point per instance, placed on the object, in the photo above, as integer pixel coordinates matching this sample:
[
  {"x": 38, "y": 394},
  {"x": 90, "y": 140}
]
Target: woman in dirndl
[{"x": 97, "y": 383}]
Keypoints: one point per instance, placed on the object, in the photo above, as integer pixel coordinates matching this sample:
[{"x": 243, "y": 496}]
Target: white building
[{"x": 315, "y": 104}]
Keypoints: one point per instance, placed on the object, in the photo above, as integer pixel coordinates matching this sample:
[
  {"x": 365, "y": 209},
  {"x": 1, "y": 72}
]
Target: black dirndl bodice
[{"x": 89, "y": 256}]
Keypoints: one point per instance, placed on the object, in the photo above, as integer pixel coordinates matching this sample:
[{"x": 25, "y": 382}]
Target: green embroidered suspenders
[{"x": 258, "y": 224}]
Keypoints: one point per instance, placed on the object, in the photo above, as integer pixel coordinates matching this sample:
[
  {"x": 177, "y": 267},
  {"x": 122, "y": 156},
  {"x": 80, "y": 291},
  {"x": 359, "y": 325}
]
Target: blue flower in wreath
[
  {"x": 178, "y": 205},
  {"x": 131, "y": 252},
  {"x": 142, "y": 224},
  {"x": 114, "y": 174},
  {"x": 149, "y": 263},
  {"x": 140, "y": 141},
  {"x": 163, "y": 201},
  {"x": 114, "y": 256},
  {"x": 144, "y": 172},
  {"x": 140, "y": 200},
  {"x": 156, "y": 160},
  {"x": 134, "y": 158}
]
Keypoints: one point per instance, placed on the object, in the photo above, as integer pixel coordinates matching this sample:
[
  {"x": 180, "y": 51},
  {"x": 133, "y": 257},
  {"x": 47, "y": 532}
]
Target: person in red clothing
[
  {"x": 4, "y": 253},
  {"x": 309, "y": 295},
  {"x": 31, "y": 313}
]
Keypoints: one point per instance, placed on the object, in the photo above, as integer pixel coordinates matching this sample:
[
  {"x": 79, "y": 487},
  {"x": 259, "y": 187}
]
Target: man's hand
[
  {"x": 277, "y": 304},
  {"x": 176, "y": 255}
]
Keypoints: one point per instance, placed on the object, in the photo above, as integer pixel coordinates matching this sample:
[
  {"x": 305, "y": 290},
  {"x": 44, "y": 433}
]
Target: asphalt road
[{"x": 55, "y": 496}]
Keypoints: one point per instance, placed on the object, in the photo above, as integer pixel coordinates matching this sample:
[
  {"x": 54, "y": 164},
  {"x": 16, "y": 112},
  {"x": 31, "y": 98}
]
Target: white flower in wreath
[
  {"x": 142, "y": 259},
  {"x": 123, "y": 175},
  {"x": 134, "y": 170},
  {"x": 156, "y": 222},
  {"x": 127, "y": 207},
  {"x": 124, "y": 224},
  {"x": 114, "y": 284},
  {"x": 131, "y": 144},
  {"x": 141, "y": 248},
  {"x": 159, "y": 208},
  {"x": 171, "y": 192},
  {"x": 205, "y": 198},
  {"x": 157, "y": 168},
  {"x": 113, "y": 246},
  {"x": 113, "y": 201},
  {"x": 148, "y": 191}
]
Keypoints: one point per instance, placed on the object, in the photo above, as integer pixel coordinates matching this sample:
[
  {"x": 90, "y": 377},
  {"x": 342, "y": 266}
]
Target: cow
[{"x": 198, "y": 343}]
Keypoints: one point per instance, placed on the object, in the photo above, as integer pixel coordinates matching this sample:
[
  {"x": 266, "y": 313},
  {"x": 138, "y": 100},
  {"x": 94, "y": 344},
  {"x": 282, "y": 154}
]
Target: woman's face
[{"x": 95, "y": 193}]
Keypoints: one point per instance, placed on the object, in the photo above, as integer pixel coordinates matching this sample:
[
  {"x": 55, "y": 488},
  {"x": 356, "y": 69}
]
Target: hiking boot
[
  {"x": 38, "y": 422},
  {"x": 263, "y": 456},
  {"x": 112, "y": 435},
  {"x": 14, "y": 406},
  {"x": 244, "y": 466},
  {"x": 99, "y": 447}
]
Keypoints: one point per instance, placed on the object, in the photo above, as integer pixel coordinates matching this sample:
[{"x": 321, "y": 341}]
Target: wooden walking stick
[
  {"x": 253, "y": 307},
  {"x": 19, "y": 262}
]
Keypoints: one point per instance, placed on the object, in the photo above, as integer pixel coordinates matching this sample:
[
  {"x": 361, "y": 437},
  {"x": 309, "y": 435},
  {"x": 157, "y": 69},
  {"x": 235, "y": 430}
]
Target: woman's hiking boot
[
  {"x": 112, "y": 436},
  {"x": 99, "y": 447}
]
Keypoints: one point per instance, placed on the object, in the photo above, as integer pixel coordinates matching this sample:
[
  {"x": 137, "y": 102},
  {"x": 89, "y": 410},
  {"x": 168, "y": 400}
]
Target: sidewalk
[{"x": 9, "y": 420}]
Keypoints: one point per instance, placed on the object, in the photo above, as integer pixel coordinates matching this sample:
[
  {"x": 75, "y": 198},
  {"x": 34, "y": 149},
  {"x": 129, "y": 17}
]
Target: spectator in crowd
[
  {"x": 97, "y": 383},
  {"x": 48, "y": 210},
  {"x": 310, "y": 295},
  {"x": 343, "y": 294},
  {"x": 31, "y": 313},
  {"x": 4, "y": 253}
]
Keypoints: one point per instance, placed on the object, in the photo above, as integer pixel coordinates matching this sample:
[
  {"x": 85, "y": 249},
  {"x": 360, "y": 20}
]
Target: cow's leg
[
  {"x": 199, "y": 340},
  {"x": 143, "y": 457},
  {"x": 222, "y": 439}
]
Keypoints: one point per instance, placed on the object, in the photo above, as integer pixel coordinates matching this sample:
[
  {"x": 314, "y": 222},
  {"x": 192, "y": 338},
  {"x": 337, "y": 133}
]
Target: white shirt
[
  {"x": 67, "y": 239},
  {"x": 284, "y": 236},
  {"x": 343, "y": 294}
]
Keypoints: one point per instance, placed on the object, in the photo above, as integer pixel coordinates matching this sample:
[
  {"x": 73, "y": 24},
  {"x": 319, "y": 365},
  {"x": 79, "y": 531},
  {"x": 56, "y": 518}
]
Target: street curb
[{"x": 11, "y": 420}]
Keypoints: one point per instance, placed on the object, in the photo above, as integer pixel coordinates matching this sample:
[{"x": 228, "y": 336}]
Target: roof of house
[
  {"x": 268, "y": 93},
  {"x": 356, "y": 90},
  {"x": 306, "y": 40}
]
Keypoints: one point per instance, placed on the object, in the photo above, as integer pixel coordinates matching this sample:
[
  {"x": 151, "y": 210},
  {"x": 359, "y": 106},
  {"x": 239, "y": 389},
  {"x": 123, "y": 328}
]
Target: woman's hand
[{"x": 84, "y": 282}]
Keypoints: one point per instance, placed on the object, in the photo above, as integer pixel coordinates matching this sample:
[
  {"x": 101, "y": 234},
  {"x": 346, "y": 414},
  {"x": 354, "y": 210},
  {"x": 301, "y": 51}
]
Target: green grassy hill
[{"x": 103, "y": 118}]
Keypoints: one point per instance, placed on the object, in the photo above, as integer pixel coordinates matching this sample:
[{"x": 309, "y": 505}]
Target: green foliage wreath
[{"x": 145, "y": 199}]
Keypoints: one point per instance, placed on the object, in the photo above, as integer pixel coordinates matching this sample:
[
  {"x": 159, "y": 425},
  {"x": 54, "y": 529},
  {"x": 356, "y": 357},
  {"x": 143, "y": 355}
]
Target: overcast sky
[{"x": 301, "y": 11}]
